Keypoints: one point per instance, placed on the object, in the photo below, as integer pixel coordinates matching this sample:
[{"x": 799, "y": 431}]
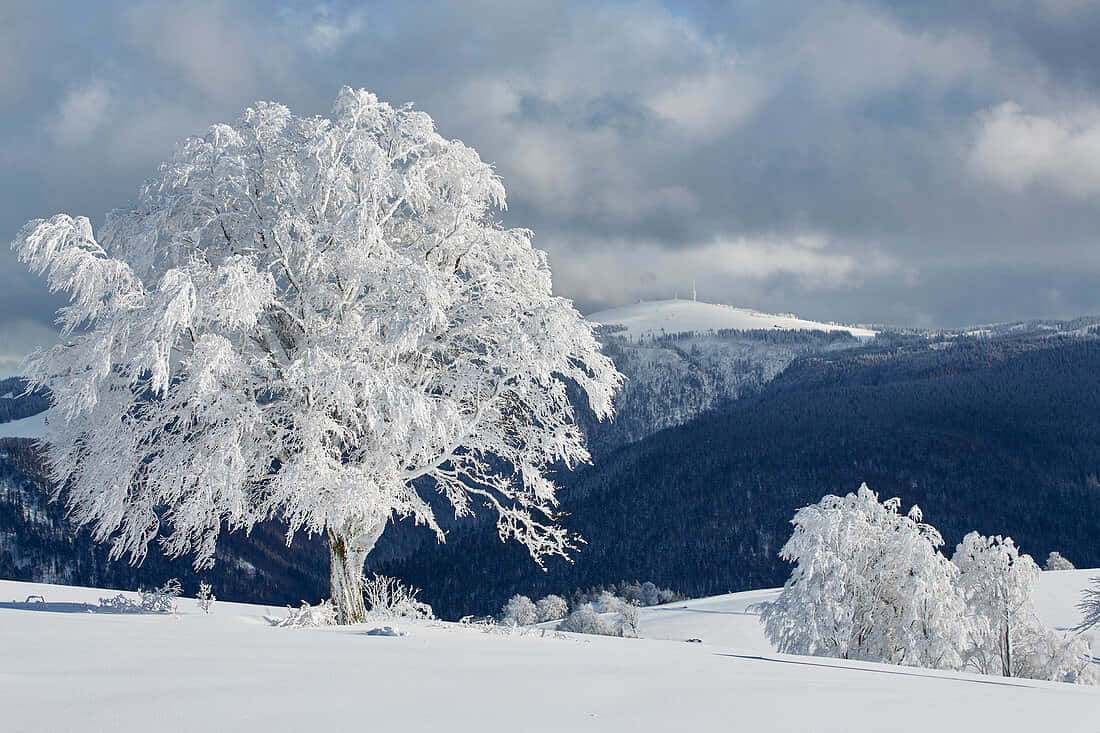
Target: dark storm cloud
[{"x": 934, "y": 163}]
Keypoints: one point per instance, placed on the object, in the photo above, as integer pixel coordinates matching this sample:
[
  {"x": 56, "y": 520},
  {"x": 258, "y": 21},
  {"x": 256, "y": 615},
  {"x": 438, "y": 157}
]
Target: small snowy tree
[
  {"x": 1055, "y": 561},
  {"x": 1090, "y": 607},
  {"x": 206, "y": 597},
  {"x": 551, "y": 608},
  {"x": 311, "y": 319},
  {"x": 868, "y": 583},
  {"x": 1006, "y": 636},
  {"x": 519, "y": 611},
  {"x": 585, "y": 620}
]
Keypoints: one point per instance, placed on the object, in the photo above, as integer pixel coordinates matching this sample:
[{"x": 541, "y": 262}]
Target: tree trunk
[{"x": 347, "y": 553}]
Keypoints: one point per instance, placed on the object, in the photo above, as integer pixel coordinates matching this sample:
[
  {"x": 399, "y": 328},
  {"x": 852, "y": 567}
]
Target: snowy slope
[
  {"x": 28, "y": 427},
  {"x": 63, "y": 668},
  {"x": 653, "y": 318}
]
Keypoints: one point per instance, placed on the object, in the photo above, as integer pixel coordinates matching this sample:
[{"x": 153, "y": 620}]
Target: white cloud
[
  {"x": 710, "y": 104},
  {"x": 851, "y": 51},
  {"x": 327, "y": 33},
  {"x": 1015, "y": 150},
  {"x": 81, "y": 114},
  {"x": 215, "y": 48},
  {"x": 618, "y": 272}
]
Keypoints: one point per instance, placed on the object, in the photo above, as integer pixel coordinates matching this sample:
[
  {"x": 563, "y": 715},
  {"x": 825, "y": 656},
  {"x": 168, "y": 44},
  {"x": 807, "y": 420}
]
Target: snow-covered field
[
  {"x": 652, "y": 318},
  {"x": 63, "y": 668},
  {"x": 29, "y": 427}
]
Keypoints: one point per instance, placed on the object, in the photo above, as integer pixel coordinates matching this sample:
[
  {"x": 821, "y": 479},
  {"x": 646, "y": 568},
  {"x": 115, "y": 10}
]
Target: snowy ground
[
  {"x": 652, "y": 318},
  {"x": 63, "y": 668},
  {"x": 29, "y": 427}
]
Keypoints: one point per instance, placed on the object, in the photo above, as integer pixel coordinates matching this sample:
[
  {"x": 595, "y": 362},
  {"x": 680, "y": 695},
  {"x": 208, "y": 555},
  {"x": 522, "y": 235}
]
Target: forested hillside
[{"x": 1000, "y": 436}]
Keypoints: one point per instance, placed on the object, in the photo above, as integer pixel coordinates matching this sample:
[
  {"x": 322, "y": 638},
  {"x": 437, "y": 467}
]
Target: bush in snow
[
  {"x": 389, "y": 597},
  {"x": 1005, "y": 635},
  {"x": 612, "y": 616},
  {"x": 629, "y": 619},
  {"x": 307, "y": 616},
  {"x": 519, "y": 611},
  {"x": 551, "y": 608},
  {"x": 206, "y": 597},
  {"x": 868, "y": 583},
  {"x": 1055, "y": 561},
  {"x": 120, "y": 603},
  {"x": 585, "y": 620},
  {"x": 665, "y": 595},
  {"x": 162, "y": 599},
  {"x": 608, "y": 602},
  {"x": 158, "y": 600},
  {"x": 640, "y": 594}
]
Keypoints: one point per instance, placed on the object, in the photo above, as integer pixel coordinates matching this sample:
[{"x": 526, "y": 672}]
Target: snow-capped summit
[{"x": 656, "y": 317}]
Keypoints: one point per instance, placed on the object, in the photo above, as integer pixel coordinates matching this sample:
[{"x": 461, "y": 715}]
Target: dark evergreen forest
[{"x": 1000, "y": 437}]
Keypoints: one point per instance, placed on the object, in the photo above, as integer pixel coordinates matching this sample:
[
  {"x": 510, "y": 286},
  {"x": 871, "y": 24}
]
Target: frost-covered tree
[
  {"x": 519, "y": 611},
  {"x": 206, "y": 597},
  {"x": 1055, "y": 561},
  {"x": 1090, "y": 607},
  {"x": 311, "y": 319},
  {"x": 585, "y": 620},
  {"x": 1006, "y": 636},
  {"x": 551, "y": 608},
  {"x": 868, "y": 583}
]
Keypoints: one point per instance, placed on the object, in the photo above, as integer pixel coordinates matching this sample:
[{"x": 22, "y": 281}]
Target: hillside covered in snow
[
  {"x": 682, "y": 358},
  {"x": 666, "y": 317},
  {"x": 66, "y": 666}
]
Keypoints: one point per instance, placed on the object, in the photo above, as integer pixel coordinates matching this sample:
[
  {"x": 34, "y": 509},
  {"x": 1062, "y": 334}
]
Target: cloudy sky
[{"x": 932, "y": 163}]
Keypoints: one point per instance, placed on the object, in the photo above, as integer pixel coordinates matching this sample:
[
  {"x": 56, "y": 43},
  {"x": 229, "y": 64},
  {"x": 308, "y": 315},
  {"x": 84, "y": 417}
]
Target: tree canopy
[{"x": 311, "y": 319}]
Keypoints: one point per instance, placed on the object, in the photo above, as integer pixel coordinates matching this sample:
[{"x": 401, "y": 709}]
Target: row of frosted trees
[{"x": 870, "y": 583}]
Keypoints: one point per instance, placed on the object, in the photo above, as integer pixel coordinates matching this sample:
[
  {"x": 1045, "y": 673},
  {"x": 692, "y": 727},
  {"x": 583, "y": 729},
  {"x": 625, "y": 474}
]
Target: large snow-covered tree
[
  {"x": 869, "y": 583},
  {"x": 311, "y": 319}
]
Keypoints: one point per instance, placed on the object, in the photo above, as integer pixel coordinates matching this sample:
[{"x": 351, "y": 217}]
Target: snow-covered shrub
[
  {"x": 1055, "y": 561},
  {"x": 120, "y": 604},
  {"x": 588, "y": 620},
  {"x": 519, "y": 611},
  {"x": 608, "y": 603},
  {"x": 551, "y": 608},
  {"x": 639, "y": 594},
  {"x": 158, "y": 600},
  {"x": 162, "y": 599},
  {"x": 585, "y": 620},
  {"x": 631, "y": 592},
  {"x": 869, "y": 584},
  {"x": 206, "y": 597},
  {"x": 628, "y": 620},
  {"x": 389, "y": 597},
  {"x": 307, "y": 616},
  {"x": 1005, "y": 635}
]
